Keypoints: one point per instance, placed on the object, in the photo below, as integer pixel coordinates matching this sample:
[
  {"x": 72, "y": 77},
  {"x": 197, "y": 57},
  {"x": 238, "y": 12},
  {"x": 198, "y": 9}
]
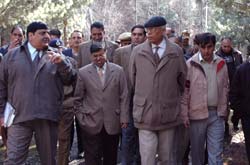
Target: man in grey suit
[
  {"x": 130, "y": 143},
  {"x": 102, "y": 107},
  {"x": 97, "y": 36},
  {"x": 157, "y": 72},
  {"x": 31, "y": 80}
]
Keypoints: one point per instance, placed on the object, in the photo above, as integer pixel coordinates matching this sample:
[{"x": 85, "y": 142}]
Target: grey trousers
[
  {"x": 157, "y": 142},
  {"x": 19, "y": 138},
  {"x": 209, "y": 130}
]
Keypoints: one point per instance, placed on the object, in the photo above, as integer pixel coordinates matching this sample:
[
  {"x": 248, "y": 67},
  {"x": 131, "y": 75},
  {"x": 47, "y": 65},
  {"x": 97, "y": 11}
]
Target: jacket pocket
[
  {"x": 139, "y": 106},
  {"x": 169, "y": 112}
]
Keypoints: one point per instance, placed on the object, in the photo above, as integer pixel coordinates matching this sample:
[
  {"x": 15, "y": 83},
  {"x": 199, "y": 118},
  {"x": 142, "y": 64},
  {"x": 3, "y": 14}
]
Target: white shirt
[
  {"x": 104, "y": 67},
  {"x": 162, "y": 47},
  {"x": 33, "y": 52}
]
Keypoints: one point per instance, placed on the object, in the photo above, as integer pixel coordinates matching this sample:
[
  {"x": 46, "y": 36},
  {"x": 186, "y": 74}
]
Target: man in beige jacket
[
  {"x": 204, "y": 103},
  {"x": 157, "y": 74}
]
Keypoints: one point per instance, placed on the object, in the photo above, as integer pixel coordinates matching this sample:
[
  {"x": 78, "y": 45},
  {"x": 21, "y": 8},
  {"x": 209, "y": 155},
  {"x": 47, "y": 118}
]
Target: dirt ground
[{"x": 234, "y": 152}]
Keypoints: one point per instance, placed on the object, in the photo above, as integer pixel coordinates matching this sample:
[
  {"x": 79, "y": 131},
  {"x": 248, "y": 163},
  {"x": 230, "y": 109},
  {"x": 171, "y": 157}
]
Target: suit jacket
[
  {"x": 84, "y": 52},
  {"x": 157, "y": 88},
  {"x": 121, "y": 58},
  {"x": 35, "y": 94},
  {"x": 100, "y": 105}
]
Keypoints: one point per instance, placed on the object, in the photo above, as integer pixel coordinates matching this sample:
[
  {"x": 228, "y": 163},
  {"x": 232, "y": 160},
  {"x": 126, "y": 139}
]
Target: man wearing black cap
[
  {"x": 97, "y": 36},
  {"x": 31, "y": 81},
  {"x": 157, "y": 72},
  {"x": 101, "y": 107}
]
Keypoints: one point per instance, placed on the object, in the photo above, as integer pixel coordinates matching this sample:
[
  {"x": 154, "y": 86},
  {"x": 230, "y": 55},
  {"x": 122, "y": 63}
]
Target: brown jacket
[
  {"x": 194, "y": 101},
  {"x": 101, "y": 106},
  {"x": 34, "y": 94},
  {"x": 84, "y": 52},
  {"x": 157, "y": 89},
  {"x": 121, "y": 58}
]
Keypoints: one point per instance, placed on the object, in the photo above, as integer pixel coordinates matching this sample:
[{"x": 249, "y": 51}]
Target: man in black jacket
[
  {"x": 233, "y": 59},
  {"x": 240, "y": 97}
]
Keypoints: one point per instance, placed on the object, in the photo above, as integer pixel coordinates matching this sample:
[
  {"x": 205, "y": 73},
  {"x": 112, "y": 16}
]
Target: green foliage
[
  {"x": 231, "y": 18},
  {"x": 56, "y": 13}
]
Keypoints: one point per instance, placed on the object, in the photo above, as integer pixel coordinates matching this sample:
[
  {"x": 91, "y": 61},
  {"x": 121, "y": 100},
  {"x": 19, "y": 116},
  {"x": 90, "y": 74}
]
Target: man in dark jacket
[
  {"x": 233, "y": 59},
  {"x": 240, "y": 98},
  {"x": 31, "y": 81}
]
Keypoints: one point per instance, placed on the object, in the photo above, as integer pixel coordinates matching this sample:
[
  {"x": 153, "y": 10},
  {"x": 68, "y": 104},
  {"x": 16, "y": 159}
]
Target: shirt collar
[
  {"x": 32, "y": 50},
  {"x": 161, "y": 45},
  {"x": 203, "y": 61},
  {"x": 103, "y": 67}
]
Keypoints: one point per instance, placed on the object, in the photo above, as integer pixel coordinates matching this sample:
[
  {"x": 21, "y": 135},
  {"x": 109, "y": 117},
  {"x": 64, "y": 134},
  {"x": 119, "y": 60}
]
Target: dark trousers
[
  {"x": 130, "y": 145},
  {"x": 80, "y": 138},
  {"x": 19, "y": 138},
  {"x": 101, "y": 145},
  {"x": 246, "y": 130},
  {"x": 65, "y": 138}
]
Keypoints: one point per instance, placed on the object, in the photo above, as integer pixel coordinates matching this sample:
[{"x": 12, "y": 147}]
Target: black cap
[
  {"x": 155, "y": 21},
  {"x": 56, "y": 43},
  {"x": 95, "y": 48}
]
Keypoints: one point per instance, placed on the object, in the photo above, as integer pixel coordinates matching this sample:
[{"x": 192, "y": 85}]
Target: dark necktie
[
  {"x": 36, "y": 60},
  {"x": 156, "y": 55}
]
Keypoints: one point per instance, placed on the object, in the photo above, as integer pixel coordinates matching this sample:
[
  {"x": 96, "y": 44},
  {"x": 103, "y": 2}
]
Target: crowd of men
[{"x": 151, "y": 95}]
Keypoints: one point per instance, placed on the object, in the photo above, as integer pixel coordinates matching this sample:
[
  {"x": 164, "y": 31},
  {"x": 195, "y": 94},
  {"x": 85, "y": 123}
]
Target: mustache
[{"x": 46, "y": 39}]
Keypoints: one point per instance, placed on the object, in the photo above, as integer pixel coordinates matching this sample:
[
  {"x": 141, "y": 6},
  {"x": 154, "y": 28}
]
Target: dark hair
[
  {"x": 95, "y": 48},
  {"x": 15, "y": 27},
  {"x": 140, "y": 27},
  {"x": 34, "y": 26},
  {"x": 195, "y": 40},
  {"x": 97, "y": 25},
  {"x": 205, "y": 38},
  {"x": 55, "y": 32},
  {"x": 77, "y": 31},
  {"x": 226, "y": 38}
]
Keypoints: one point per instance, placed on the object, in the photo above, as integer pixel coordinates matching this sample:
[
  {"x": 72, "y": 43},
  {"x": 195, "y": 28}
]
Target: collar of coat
[
  {"x": 110, "y": 68},
  {"x": 195, "y": 62}
]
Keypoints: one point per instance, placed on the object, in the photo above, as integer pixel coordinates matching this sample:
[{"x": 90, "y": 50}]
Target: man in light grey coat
[
  {"x": 157, "y": 73},
  {"x": 102, "y": 107},
  {"x": 31, "y": 80},
  {"x": 97, "y": 36}
]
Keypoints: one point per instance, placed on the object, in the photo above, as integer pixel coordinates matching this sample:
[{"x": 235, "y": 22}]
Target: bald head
[{"x": 226, "y": 45}]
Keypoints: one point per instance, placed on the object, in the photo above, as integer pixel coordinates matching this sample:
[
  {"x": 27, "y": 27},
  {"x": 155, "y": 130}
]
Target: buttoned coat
[
  {"x": 157, "y": 88},
  {"x": 35, "y": 94},
  {"x": 100, "y": 105},
  {"x": 84, "y": 52}
]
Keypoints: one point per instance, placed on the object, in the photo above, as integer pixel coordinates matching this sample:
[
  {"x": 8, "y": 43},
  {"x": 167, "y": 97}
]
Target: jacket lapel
[
  {"x": 108, "y": 75},
  {"x": 93, "y": 75},
  {"x": 41, "y": 63},
  {"x": 148, "y": 53},
  {"x": 168, "y": 52}
]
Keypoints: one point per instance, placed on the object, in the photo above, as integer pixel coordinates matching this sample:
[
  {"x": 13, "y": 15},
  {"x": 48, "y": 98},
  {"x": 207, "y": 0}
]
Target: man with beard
[
  {"x": 233, "y": 59},
  {"x": 31, "y": 81},
  {"x": 97, "y": 36},
  {"x": 130, "y": 141}
]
